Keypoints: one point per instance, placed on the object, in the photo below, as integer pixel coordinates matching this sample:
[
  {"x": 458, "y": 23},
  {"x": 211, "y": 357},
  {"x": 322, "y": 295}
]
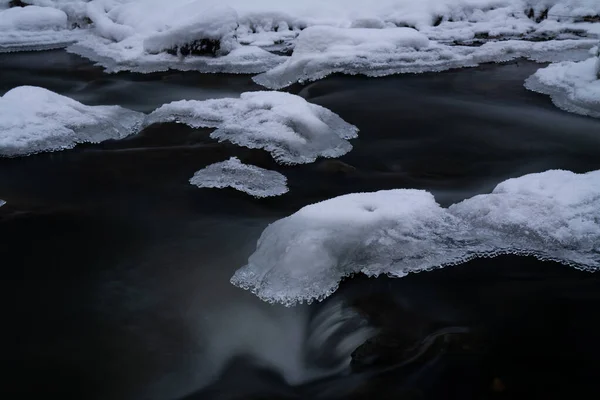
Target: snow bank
[
  {"x": 293, "y": 130},
  {"x": 552, "y": 215},
  {"x": 255, "y": 181},
  {"x": 240, "y": 36},
  {"x": 34, "y": 120},
  {"x": 573, "y": 86},
  {"x": 33, "y": 28}
]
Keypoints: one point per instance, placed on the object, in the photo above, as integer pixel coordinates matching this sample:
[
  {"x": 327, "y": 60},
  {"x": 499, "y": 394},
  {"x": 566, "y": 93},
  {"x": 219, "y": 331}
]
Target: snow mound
[
  {"x": 33, "y": 120},
  {"x": 293, "y": 130},
  {"x": 573, "y": 86},
  {"x": 552, "y": 215},
  {"x": 255, "y": 181},
  {"x": 33, "y": 28}
]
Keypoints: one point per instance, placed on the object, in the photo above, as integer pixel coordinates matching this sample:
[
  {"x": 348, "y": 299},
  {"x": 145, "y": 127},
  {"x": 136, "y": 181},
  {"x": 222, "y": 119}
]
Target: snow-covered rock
[
  {"x": 293, "y": 130},
  {"x": 573, "y": 86},
  {"x": 33, "y": 120},
  {"x": 552, "y": 215},
  {"x": 255, "y": 181}
]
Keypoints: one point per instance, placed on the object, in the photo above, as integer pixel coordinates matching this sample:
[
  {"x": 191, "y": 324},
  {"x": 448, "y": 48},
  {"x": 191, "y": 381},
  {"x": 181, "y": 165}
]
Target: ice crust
[
  {"x": 33, "y": 120},
  {"x": 293, "y": 130},
  {"x": 554, "y": 215},
  {"x": 255, "y": 181},
  {"x": 573, "y": 86}
]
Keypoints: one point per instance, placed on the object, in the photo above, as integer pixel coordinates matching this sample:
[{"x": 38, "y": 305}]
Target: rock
[
  {"x": 200, "y": 47},
  {"x": 17, "y": 3}
]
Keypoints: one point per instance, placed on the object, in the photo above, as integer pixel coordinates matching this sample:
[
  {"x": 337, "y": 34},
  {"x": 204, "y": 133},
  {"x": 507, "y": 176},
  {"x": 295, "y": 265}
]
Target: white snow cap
[
  {"x": 573, "y": 86},
  {"x": 293, "y": 130},
  {"x": 553, "y": 215},
  {"x": 255, "y": 181},
  {"x": 33, "y": 120}
]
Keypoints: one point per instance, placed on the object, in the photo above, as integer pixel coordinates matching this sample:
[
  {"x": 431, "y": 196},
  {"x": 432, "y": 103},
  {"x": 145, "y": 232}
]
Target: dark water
[{"x": 115, "y": 278}]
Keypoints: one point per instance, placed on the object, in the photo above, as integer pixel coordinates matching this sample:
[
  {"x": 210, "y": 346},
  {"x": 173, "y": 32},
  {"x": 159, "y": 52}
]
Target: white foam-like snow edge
[
  {"x": 33, "y": 120},
  {"x": 573, "y": 86},
  {"x": 255, "y": 181},
  {"x": 554, "y": 215},
  {"x": 293, "y": 130}
]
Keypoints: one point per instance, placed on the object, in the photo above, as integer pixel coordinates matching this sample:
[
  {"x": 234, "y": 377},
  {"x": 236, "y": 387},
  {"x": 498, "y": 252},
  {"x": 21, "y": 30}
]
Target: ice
[
  {"x": 551, "y": 215},
  {"x": 33, "y": 120},
  {"x": 293, "y": 130},
  {"x": 255, "y": 181},
  {"x": 573, "y": 86}
]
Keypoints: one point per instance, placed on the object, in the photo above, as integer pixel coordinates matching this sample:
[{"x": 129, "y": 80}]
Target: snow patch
[
  {"x": 293, "y": 130},
  {"x": 255, "y": 181},
  {"x": 573, "y": 86},
  {"x": 553, "y": 215},
  {"x": 33, "y": 120}
]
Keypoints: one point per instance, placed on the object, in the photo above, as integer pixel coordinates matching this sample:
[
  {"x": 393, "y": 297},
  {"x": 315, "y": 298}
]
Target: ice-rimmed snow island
[
  {"x": 554, "y": 215},
  {"x": 293, "y": 130},
  {"x": 255, "y": 181},
  {"x": 34, "y": 120},
  {"x": 573, "y": 86},
  {"x": 241, "y": 36}
]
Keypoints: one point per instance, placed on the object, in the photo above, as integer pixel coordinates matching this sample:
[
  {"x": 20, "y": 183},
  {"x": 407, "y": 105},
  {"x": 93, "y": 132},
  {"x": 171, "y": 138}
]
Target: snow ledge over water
[
  {"x": 573, "y": 86},
  {"x": 34, "y": 120},
  {"x": 554, "y": 215}
]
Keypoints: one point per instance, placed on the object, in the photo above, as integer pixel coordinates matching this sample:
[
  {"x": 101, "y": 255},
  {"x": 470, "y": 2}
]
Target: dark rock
[
  {"x": 17, "y": 3},
  {"x": 200, "y": 47}
]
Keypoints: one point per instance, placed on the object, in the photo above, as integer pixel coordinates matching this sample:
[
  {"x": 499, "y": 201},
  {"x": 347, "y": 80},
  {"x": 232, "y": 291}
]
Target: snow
[
  {"x": 554, "y": 215},
  {"x": 293, "y": 130},
  {"x": 255, "y": 181},
  {"x": 33, "y": 28},
  {"x": 240, "y": 36},
  {"x": 33, "y": 120},
  {"x": 573, "y": 86}
]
